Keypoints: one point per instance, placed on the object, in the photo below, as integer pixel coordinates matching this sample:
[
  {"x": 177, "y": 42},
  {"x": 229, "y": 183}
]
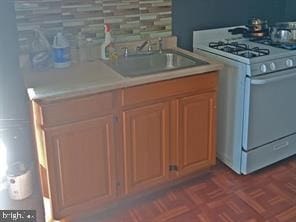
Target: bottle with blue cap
[{"x": 61, "y": 51}]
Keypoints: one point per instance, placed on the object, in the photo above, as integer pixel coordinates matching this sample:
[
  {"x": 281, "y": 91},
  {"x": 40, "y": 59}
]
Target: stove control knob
[
  {"x": 272, "y": 66},
  {"x": 263, "y": 68},
  {"x": 289, "y": 62}
]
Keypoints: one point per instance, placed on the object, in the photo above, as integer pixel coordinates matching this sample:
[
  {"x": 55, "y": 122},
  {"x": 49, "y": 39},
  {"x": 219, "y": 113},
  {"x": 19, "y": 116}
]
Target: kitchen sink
[{"x": 153, "y": 63}]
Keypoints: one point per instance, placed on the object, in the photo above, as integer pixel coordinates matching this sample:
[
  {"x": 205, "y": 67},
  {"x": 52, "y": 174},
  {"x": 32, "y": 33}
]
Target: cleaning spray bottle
[{"x": 105, "y": 47}]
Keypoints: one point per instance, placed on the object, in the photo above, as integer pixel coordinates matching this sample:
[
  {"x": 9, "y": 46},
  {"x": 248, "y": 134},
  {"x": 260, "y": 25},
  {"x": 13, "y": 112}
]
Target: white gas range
[{"x": 257, "y": 98}]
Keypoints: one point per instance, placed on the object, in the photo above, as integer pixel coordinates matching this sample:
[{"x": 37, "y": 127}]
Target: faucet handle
[{"x": 149, "y": 46}]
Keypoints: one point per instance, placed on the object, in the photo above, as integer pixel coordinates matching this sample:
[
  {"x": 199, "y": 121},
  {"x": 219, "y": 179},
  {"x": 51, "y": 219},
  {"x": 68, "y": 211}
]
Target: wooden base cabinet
[
  {"x": 168, "y": 130},
  {"x": 76, "y": 153},
  {"x": 99, "y": 149}
]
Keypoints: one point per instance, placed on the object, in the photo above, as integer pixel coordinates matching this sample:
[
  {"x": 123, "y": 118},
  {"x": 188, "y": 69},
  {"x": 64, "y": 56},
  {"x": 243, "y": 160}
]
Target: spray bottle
[{"x": 105, "y": 54}]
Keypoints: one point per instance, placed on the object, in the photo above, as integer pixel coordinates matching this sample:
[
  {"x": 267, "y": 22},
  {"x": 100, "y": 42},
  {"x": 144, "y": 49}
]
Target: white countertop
[{"x": 94, "y": 77}]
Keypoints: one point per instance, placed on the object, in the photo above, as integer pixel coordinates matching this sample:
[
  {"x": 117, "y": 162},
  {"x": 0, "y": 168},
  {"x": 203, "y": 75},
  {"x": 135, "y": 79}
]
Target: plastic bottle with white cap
[
  {"x": 40, "y": 52},
  {"x": 61, "y": 51}
]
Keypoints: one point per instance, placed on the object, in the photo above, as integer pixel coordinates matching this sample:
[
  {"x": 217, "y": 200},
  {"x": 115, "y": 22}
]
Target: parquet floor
[{"x": 268, "y": 195}]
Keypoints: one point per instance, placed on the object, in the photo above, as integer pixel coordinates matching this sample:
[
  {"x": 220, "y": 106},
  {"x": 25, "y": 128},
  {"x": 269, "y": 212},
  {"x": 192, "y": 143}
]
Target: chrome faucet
[
  {"x": 160, "y": 41},
  {"x": 140, "y": 48},
  {"x": 125, "y": 51}
]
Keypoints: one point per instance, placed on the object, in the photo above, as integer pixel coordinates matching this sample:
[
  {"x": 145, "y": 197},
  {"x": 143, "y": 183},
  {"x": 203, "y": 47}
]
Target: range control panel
[{"x": 273, "y": 66}]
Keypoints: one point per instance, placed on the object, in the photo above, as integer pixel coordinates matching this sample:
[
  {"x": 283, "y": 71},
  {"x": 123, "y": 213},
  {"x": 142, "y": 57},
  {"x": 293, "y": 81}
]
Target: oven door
[{"x": 270, "y": 108}]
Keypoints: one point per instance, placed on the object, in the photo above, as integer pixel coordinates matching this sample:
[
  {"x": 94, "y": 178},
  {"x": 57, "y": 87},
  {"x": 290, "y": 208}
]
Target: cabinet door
[
  {"x": 81, "y": 165},
  {"x": 197, "y": 136},
  {"x": 146, "y": 146}
]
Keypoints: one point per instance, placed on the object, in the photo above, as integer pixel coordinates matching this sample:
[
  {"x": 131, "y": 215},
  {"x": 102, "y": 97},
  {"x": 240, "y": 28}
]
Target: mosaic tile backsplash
[{"x": 129, "y": 19}]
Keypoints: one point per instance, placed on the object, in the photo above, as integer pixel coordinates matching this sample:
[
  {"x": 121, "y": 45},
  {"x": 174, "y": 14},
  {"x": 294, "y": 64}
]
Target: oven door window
[{"x": 270, "y": 108}]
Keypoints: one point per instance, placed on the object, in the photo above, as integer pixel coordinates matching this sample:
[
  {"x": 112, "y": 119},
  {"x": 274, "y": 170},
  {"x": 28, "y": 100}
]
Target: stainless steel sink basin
[{"x": 153, "y": 63}]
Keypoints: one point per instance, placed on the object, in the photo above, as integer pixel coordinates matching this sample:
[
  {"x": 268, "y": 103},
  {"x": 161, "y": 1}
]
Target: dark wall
[
  {"x": 290, "y": 14},
  {"x": 190, "y": 15}
]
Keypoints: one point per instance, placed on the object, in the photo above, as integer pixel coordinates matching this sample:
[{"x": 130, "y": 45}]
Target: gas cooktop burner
[
  {"x": 268, "y": 41},
  {"x": 247, "y": 54},
  {"x": 239, "y": 49}
]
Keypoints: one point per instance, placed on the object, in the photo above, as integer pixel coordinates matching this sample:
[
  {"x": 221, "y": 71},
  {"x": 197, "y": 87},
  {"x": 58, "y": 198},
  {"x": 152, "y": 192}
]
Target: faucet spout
[{"x": 140, "y": 48}]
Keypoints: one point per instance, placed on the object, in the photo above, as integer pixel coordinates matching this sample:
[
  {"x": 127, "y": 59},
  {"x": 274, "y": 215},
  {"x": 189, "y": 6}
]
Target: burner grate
[
  {"x": 239, "y": 49},
  {"x": 269, "y": 42}
]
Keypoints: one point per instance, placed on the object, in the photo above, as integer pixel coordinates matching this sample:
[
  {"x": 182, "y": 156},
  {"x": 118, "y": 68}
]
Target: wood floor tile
[{"x": 268, "y": 195}]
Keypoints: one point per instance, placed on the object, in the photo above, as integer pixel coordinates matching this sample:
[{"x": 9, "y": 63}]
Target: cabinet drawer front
[
  {"x": 163, "y": 89},
  {"x": 77, "y": 109}
]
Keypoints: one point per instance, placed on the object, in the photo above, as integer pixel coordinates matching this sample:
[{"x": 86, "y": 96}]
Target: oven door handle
[{"x": 261, "y": 81}]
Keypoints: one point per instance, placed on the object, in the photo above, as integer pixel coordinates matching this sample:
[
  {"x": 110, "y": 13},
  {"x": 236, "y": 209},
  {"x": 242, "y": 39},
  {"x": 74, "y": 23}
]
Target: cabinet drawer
[
  {"x": 163, "y": 89},
  {"x": 76, "y": 109}
]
